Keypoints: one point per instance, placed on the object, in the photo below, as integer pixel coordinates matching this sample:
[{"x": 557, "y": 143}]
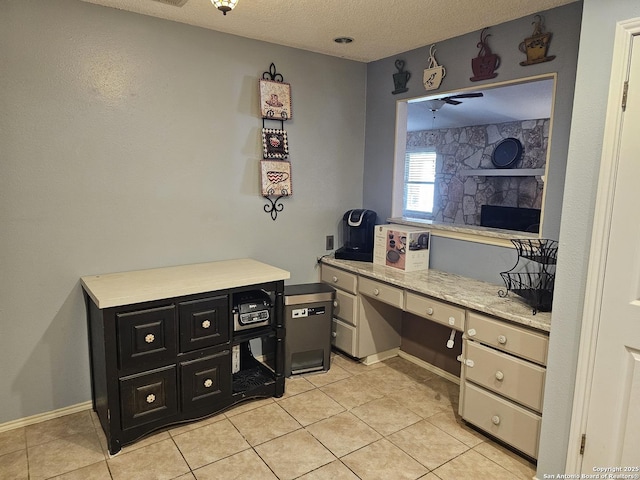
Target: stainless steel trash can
[{"x": 308, "y": 310}]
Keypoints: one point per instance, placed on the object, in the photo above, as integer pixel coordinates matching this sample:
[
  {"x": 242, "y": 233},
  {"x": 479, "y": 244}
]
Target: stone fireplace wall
[{"x": 458, "y": 197}]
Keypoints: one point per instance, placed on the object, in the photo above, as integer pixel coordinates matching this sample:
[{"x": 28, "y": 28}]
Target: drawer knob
[
  {"x": 429, "y": 311},
  {"x": 502, "y": 339},
  {"x": 335, "y": 303},
  {"x": 334, "y": 334},
  {"x": 335, "y": 279},
  {"x": 471, "y": 332},
  {"x": 452, "y": 321},
  {"x": 149, "y": 338},
  {"x": 376, "y": 292},
  {"x": 151, "y": 398},
  {"x": 495, "y": 420},
  {"x": 206, "y": 324},
  {"x": 208, "y": 382},
  {"x": 499, "y": 375}
]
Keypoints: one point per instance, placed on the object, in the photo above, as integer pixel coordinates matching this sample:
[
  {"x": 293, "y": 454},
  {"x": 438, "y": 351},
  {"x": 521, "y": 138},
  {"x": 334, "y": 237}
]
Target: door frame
[{"x": 624, "y": 33}]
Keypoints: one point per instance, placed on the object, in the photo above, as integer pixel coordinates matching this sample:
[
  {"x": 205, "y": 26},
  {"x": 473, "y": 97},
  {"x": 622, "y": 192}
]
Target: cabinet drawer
[
  {"x": 148, "y": 397},
  {"x": 204, "y": 322},
  {"x": 345, "y": 307},
  {"x": 343, "y": 337},
  {"x": 523, "y": 343},
  {"x": 381, "y": 291},
  {"x": 435, "y": 310},
  {"x": 339, "y": 278},
  {"x": 206, "y": 381},
  {"x": 516, "y": 379},
  {"x": 146, "y": 337},
  {"x": 502, "y": 419}
]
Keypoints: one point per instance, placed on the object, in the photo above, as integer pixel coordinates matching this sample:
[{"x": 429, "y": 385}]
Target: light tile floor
[{"x": 392, "y": 420}]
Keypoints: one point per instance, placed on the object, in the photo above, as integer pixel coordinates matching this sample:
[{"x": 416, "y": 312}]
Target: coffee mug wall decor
[
  {"x": 434, "y": 73},
  {"x": 537, "y": 45},
  {"x": 485, "y": 64},
  {"x": 400, "y": 78}
]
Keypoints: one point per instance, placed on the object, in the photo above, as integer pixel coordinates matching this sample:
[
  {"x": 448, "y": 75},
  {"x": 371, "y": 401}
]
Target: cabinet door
[
  {"x": 204, "y": 322},
  {"x": 343, "y": 337},
  {"x": 146, "y": 338},
  {"x": 148, "y": 397},
  {"x": 346, "y": 307},
  {"x": 206, "y": 382}
]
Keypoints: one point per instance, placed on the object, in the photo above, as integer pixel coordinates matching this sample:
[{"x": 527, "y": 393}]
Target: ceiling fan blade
[
  {"x": 451, "y": 101},
  {"x": 468, "y": 95}
]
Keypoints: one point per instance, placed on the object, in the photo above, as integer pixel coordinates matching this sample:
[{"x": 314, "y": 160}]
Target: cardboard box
[{"x": 402, "y": 247}]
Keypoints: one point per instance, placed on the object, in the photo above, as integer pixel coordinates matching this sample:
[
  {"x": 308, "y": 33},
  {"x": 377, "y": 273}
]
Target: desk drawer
[
  {"x": 345, "y": 307},
  {"x": 435, "y": 310},
  {"x": 381, "y": 291},
  {"x": 343, "y": 337},
  {"x": 339, "y": 278},
  {"x": 502, "y": 419},
  {"x": 516, "y": 379},
  {"x": 509, "y": 338}
]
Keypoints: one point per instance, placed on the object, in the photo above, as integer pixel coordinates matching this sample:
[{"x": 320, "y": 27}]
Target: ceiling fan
[{"x": 437, "y": 103}]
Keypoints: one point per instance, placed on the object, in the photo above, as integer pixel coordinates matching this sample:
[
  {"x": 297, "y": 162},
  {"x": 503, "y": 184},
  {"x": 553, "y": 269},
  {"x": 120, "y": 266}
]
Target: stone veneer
[{"x": 458, "y": 197}]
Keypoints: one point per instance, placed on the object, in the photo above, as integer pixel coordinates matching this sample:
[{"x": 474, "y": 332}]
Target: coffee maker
[{"x": 357, "y": 231}]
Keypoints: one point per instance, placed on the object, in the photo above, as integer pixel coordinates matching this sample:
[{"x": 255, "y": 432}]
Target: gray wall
[
  {"x": 455, "y": 54},
  {"x": 591, "y": 91},
  {"x": 130, "y": 142}
]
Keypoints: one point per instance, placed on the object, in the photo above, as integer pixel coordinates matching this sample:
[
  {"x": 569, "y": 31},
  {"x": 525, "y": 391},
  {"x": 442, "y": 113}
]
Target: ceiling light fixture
[
  {"x": 224, "y": 5},
  {"x": 343, "y": 40},
  {"x": 435, "y": 104}
]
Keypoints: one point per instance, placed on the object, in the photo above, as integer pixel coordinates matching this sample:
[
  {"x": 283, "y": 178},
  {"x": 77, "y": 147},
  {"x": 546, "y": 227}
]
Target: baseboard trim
[
  {"x": 427, "y": 366},
  {"x": 43, "y": 417},
  {"x": 380, "y": 356}
]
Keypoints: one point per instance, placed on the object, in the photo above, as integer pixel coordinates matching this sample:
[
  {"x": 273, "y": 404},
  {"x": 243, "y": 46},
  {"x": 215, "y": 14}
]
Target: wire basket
[
  {"x": 541, "y": 250},
  {"x": 535, "y": 288}
]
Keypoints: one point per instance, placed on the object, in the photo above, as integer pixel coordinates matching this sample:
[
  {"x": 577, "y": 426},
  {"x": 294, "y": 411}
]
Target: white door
[{"x": 613, "y": 418}]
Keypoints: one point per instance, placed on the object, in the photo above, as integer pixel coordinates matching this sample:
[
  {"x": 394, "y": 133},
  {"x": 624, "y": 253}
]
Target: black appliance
[
  {"x": 510, "y": 218},
  {"x": 251, "y": 310},
  {"x": 357, "y": 231}
]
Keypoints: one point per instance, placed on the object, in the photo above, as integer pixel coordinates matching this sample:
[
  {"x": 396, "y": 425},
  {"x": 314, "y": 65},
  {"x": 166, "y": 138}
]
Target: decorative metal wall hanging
[
  {"x": 275, "y": 105},
  {"x": 434, "y": 73},
  {"x": 537, "y": 45},
  {"x": 485, "y": 64},
  {"x": 400, "y": 78},
  {"x": 275, "y": 96},
  {"x": 276, "y": 181},
  {"x": 274, "y": 143}
]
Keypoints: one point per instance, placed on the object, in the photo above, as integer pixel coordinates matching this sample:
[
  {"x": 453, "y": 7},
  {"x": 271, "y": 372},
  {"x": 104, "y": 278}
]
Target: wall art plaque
[
  {"x": 275, "y": 178},
  {"x": 275, "y": 100},
  {"x": 274, "y": 143}
]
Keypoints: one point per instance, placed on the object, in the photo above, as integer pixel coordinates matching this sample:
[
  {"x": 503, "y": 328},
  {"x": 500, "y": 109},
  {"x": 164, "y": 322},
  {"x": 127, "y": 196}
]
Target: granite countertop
[
  {"x": 464, "y": 229},
  {"x": 126, "y": 288},
  {"x": 466, "y": 292}
]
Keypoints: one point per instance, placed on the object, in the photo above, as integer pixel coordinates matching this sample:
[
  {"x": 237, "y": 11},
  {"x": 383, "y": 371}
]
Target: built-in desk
[{"x": 504, "y": 348}]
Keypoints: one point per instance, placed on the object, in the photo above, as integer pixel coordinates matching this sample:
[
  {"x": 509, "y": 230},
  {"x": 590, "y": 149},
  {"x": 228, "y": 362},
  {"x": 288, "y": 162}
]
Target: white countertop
[
  {"x": 126, "y": 288},
  {"x": 466, "y": 292}
]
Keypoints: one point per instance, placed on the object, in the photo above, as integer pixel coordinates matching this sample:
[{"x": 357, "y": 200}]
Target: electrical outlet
[{"x": 329, "y": 242}]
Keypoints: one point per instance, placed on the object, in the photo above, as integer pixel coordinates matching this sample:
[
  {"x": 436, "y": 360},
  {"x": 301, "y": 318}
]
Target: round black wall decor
[{"x": 507, "y": 153}]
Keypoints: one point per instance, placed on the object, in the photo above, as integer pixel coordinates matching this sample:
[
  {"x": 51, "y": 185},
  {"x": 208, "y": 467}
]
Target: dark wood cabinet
[{"x": 169, "y": 360}]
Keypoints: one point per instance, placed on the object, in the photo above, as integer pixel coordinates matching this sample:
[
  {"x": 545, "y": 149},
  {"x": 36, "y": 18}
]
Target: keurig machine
[{"x": 357, "y": 231}]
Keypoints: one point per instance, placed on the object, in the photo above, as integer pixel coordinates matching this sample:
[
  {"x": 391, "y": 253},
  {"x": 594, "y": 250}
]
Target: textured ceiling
[{"x": 380, "y": 28}]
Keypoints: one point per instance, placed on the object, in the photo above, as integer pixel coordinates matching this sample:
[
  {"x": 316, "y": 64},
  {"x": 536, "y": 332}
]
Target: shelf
[{"x": 504, "y": 172}]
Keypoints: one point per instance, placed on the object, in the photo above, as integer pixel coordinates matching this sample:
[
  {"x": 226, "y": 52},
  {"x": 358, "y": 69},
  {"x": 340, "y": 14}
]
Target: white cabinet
[
  {"x": 503, "y": 362},
  {"x": 367, "y": 314},
  {"x": 503, "y": 380}
]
